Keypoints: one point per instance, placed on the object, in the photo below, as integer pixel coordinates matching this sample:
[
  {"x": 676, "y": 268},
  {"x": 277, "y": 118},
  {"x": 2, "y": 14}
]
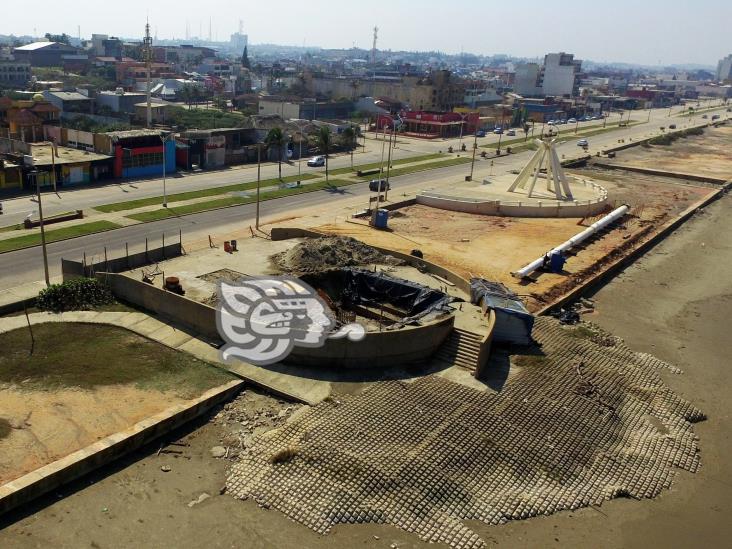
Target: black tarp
[{"x": 355, "y": 286}]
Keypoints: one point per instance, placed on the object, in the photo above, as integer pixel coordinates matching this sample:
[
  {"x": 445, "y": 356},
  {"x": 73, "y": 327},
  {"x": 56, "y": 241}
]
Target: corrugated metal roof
[{"x": 37, "y": 46}]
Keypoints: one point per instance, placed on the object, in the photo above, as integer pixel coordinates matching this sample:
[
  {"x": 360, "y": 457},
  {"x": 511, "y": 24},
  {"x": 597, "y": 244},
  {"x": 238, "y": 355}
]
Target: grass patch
[
  {"x": 34, "y": 239},
  {"x": 197, "y": 207},
  {"x": 396, "y": 172},
  {"x": 202, "y": 193},
  {"x": 375, "y": 165},
  {"x": 92, "y": 355},
  {"x": 531, "y": 361},
  {"x": 581, "y": 332},
  {"x": 17, "y": 227}
]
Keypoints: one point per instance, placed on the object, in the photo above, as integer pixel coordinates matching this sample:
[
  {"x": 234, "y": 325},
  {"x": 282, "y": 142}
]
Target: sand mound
[{"x": 319, "y": 254}]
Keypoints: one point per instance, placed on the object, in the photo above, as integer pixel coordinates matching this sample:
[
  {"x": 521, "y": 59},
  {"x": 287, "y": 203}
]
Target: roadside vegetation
[{"x": 25, "y": 241}]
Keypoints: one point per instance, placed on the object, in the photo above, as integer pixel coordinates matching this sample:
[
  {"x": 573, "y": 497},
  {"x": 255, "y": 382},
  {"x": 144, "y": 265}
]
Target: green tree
[
  {"x": 62, "y": 38},
  {"x": 245, "y": 59},
  {"x": 276, "y": 140},
  {"x": 324, "y": 141}
]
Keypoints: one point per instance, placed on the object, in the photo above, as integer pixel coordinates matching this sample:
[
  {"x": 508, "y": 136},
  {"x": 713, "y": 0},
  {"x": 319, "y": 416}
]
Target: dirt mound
[{"x": 319, "y": 254}]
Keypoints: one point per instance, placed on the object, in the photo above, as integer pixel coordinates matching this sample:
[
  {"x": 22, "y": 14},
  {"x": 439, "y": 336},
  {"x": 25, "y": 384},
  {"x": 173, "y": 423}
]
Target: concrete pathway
[{"x": 302, "y": 389}]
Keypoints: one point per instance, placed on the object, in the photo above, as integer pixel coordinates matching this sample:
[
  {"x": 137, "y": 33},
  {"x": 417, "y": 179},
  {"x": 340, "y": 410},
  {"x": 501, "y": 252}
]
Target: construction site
[{"x": 487, "y": 387}]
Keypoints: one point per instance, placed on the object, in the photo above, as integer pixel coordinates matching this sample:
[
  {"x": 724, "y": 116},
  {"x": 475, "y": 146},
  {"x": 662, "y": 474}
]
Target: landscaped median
[
  {"x": 201, "y": 193},
  {"x": 396, "y": 172},
  {"x": 196, "y": 207},
  {"x": 28, "y": 240},
  {"x": 377, "y": 165}
]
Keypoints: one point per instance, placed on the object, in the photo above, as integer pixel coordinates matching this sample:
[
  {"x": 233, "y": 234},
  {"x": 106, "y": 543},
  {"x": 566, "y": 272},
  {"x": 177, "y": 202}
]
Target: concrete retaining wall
[
  {"x": 378, "y": 349},
  {"x": 82, "y": 462},
  {"x": 191, "y": 314},
  {"x": 660, "y": 173}
]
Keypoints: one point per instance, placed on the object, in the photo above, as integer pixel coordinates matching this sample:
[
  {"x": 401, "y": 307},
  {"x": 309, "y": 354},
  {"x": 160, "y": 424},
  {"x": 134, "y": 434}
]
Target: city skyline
[{"x": 640, "y": 33}]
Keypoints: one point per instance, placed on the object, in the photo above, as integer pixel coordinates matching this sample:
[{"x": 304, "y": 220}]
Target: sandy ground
[
  {"x": 48, "y": 425},
  {"x": 493, "y": 247},
  {"x": 673, "y": 303},
  {"x": 706, "y": 154}
]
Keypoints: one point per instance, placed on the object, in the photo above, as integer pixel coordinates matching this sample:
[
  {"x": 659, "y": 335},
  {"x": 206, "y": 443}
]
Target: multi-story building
[
  {"x": 527, "y": 81},
  {"x": 724, "y": 69},
  {"x": 558, "y": 76},
  {"x": 14, "y": 74}
]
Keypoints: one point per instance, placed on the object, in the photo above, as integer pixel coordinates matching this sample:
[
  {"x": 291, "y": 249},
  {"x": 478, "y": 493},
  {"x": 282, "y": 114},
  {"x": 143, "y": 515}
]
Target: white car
[
  {"x": 582, "y": 143},
  {"x": 316, "y": 161}
]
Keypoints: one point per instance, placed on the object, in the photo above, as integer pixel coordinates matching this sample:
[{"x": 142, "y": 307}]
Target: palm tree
[
  {"x": 324, "y": 140},
  {"x": 276, "y": 139},
  {"x": 349, "y": 135}
]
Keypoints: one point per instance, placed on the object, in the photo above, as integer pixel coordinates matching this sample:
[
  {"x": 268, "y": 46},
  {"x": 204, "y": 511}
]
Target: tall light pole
[
  {"x": 34, "y": 173},
  {"x": 259, "y": 169},
  {"x": 475, "y": 148},
  {"x": 164, "y": 139}
]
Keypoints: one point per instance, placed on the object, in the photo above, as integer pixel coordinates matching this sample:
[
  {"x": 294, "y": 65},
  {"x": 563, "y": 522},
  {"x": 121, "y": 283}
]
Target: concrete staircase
[{"x": 461, "y": 348}]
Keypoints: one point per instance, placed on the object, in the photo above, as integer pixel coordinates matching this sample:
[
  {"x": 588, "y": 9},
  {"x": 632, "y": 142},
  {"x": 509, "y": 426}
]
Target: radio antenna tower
[
  {"x": 147, "y": 50},
  {"x": 373, "y": 48}
]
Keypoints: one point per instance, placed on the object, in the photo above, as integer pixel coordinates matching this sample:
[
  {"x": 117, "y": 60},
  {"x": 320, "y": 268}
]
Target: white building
[
  {"x": 560, "y": 74},
  {"x": 238, "y": 41},
  {"x": 528, "y": 80},
  {"x": 724, "y": 69}
]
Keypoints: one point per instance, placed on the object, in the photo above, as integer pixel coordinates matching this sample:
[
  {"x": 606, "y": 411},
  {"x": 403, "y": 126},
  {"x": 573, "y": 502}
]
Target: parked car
[
  {"x": 498, "y": 131},
  {"x": 480, "y": 133},
  {"x": 511, "y": 132},
  {"x": 572, "y": 121},
  {"x": 374, "y": 185},
  {"x": 715, "y": 116},
  {"x": 583, "y": 143},
  {"x": 550, "y": 123},
  {"x": 672, "y": 126},
  {"x": 704, "y": 116},
  {"x": 316, "y": 161}
]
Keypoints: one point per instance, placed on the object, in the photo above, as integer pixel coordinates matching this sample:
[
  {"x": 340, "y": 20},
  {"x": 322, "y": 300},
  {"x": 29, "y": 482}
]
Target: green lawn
[
  {"x": 34, "y": 239},
  {"x": 375, "y": 165},
  {"x": 422, "y": 167},
  {"x": 92, "y": 355},
  {"x": 201, "y": 193},
  {"x": 196, "y": 207}
]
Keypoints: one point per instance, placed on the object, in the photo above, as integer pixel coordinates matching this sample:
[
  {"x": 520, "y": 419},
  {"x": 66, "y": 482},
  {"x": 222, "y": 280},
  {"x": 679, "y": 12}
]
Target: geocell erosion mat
[{"x": 584, "y": 420}]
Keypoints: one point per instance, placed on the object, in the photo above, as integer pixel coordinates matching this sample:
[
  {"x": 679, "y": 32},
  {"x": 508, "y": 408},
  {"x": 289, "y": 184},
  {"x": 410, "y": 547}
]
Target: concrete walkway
[{"x": 309, "y": 391}]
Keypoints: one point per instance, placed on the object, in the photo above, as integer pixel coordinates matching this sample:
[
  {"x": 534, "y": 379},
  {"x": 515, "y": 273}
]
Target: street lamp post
[
  {"x": 475, "y": 148},
  {"x": 259, "y": 169}
]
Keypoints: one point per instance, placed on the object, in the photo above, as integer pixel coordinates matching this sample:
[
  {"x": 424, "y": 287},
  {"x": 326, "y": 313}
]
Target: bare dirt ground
[
  {"x": 706, "y": 154},
  {"x": 47, "y": 426}
]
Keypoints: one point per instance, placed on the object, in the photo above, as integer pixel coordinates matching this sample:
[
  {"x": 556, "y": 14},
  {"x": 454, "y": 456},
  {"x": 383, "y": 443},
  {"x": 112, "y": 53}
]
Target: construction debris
[{"x": 319, "y": 254}]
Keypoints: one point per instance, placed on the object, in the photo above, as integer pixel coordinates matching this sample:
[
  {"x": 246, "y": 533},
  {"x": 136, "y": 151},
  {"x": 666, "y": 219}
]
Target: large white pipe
[{"x": 576, "y": 239}]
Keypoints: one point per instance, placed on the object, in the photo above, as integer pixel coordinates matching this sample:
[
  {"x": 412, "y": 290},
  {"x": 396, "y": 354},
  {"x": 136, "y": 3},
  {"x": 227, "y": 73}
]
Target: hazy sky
[{"x": 637, "y": 31}]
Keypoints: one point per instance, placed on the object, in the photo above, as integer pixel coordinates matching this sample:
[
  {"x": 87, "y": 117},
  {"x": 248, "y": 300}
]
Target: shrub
[{"x": 74, "y": 295}]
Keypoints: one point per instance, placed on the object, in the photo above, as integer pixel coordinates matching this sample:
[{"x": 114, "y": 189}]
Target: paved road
[{"x": 25, "y": 265}]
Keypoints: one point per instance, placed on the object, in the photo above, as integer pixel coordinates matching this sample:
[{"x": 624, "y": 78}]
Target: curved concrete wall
[
  {"x": 378, "y": 349},
  {"x": 513, "y": 209}
]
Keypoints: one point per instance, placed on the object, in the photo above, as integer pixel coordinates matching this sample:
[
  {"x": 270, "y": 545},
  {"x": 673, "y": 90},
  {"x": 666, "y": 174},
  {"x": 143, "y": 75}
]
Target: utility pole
[
  {"x": 43, "y": 230},
  {"x": 388, "y": 162},
  {"x": 259, "y": 168},
  {"x": 475, "y": 148},
  {"x": 163, "y": 139}
]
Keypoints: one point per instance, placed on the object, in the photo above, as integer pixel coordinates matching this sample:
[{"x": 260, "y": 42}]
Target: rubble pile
[{"x": 319, "y": 254}]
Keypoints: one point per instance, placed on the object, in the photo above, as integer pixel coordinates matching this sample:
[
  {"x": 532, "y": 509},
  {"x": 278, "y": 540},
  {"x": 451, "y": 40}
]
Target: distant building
[
  {"x": 46, "y": 54},
  {"x": 120, "y": 101},
  {"x": 724, "y": 69},
  {"x": 69, "y": 103},
  {"x": 14, "y": 74},
  {"x": 238, "y": 41},
  {"x": 291, "y": 108},
  {"x": 560, "y": 74},
  {"x": 527, "y": 81}
]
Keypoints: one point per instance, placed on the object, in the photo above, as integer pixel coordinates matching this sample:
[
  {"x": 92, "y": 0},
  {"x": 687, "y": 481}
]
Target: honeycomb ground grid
[{"x": 595, "y": 421}]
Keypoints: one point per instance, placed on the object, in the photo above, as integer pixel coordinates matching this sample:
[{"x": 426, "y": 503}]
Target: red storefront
[{"x": 433, "y": 124}]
